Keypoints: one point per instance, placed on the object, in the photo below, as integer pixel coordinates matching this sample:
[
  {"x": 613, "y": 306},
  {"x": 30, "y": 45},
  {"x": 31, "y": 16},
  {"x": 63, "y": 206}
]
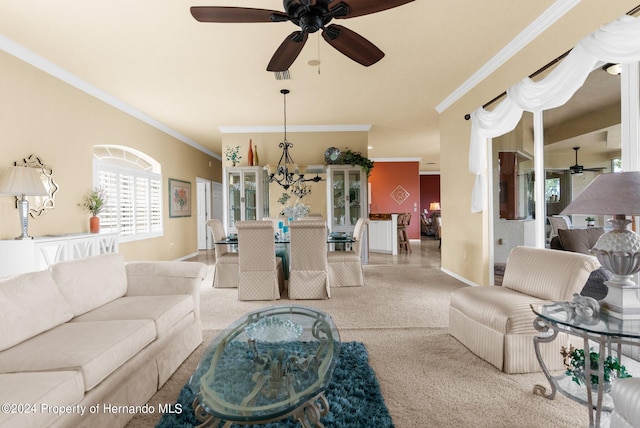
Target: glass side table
[
  {"x": 608, "y": 332},
  {"x": 270, "y": 364}
]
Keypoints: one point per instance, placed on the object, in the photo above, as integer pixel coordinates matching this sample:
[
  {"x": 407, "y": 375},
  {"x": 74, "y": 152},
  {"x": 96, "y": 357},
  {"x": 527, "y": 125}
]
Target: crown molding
[
  {"x": 30, "y": 57},
  {"x": 396, "y": 159},
  {"x": 556, "y": 11},
  {"x": 298, "y": 128}
]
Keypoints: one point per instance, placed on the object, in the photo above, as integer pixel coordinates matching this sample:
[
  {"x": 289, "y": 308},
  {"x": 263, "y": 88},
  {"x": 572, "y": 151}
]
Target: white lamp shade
[{"x": 22, "y": 180}]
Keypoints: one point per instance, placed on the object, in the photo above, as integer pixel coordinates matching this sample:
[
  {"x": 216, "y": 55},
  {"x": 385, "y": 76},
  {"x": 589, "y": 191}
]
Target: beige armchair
[
  {"x": 496, "y": 322},
  {"x": 308, "y": 274},
  {"x": 626, "y": 410},
  {"x": 226, "y": 269},
  {"x": 345, "y": 267},
  {"x": 260, "y": 274}
]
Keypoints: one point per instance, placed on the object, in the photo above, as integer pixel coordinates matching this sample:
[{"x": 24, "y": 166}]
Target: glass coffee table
[{"x": 270, "y": 364}]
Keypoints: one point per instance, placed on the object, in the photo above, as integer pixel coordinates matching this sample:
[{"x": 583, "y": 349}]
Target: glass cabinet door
[
  {"x": 250, "y": 207},
  {"x": 354, "y": 200},
  {"x": 234, "y": 197},
  {"x": 339, "y": 198}
]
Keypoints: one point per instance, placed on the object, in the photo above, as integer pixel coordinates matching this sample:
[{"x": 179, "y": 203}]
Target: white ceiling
[{"x": 197, "y": 77}]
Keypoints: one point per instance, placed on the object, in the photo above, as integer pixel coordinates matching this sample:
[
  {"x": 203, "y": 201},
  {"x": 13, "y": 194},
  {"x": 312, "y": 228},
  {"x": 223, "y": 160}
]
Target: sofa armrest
[{"x": 166, "y": 277}]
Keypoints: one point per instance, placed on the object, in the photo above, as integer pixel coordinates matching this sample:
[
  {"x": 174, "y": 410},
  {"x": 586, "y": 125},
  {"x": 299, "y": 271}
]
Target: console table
[
  {"x": 29, "y": 255},
  {"x": 608, "y": 332}
]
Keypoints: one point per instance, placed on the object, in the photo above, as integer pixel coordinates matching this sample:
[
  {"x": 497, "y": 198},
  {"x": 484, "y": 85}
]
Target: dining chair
[
  {"x": 226, "y": 269},
  {"x": 308, "y": 275},
  {"x": 345, "y": 267},
  {"x": 260, "y": 273}
]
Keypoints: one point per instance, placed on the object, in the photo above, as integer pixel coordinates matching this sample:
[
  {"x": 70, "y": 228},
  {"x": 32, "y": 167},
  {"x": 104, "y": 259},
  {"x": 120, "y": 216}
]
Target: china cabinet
[
  {"x": 346, "y": 197},
  {"x": 245, "y": 195}
]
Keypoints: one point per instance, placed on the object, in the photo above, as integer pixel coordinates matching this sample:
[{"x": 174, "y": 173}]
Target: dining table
[{"x": 336, "y": 241}]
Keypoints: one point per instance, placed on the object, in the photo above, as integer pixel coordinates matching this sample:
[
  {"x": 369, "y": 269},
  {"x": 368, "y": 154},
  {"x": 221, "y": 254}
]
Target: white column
[
  {"x": 538, "y": 168},
  {"x": 630, "y": 112}
]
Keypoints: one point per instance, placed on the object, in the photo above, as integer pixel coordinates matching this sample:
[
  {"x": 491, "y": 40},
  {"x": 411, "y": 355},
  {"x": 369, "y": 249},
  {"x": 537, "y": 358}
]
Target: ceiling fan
[
  {"x": 311, "y": 16},
  {"x": 579, "y": 169}
]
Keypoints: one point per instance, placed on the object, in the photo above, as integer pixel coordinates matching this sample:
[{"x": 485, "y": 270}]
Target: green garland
[{"x": 349, "y": 157}]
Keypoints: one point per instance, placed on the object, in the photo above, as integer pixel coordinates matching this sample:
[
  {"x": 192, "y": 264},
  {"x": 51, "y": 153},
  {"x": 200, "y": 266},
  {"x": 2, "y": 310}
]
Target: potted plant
[
  {"x": 574, "y": 360},
  {"x": 95, "y": 202},
  {"x": 591, "y": 221}
]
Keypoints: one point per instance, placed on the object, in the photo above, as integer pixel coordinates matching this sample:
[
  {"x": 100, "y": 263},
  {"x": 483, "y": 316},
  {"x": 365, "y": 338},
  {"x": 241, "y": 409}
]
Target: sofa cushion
[
  {"x": 91, "y": 282},
  {"x": 164, "y": 311},
  {"x": 95, "y": 348},
  {"x": 503, "y": 310},
  {"x": 30, "y": 304},
  {"x": 580, "y": 240},
  {"x": 39, "y": 391}
]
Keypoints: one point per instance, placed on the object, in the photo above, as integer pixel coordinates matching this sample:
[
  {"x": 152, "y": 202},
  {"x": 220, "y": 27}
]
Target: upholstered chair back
[
  {"x": 358, "y": 234},
  {"x": 226, "y": 270},
  {"x": 217, "y": 229},
  {"x": 548, "y": 274},
  {"x": 260, "y": 275},
  {"x": 308, "y": 275}
]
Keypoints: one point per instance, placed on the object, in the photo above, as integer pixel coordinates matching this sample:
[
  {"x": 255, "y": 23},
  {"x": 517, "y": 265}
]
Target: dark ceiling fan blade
[
  {"x": 236, "y": 14},
  {"x": 352, "y": 45},
  {"x": 288, "y": 51},
  {"x": 306, "y": 2},
  {"x": 364, "y": 7}
]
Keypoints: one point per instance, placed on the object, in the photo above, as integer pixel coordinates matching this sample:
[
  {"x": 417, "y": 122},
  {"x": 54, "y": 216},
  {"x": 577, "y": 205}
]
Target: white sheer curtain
[{"x": 617, "y": 42}]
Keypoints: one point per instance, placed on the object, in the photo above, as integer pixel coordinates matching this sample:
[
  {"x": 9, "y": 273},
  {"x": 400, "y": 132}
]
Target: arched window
[{"x": 132, "y": 181}]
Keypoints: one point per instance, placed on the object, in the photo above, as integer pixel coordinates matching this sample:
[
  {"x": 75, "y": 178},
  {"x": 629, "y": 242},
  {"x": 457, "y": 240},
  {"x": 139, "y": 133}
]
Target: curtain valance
[{"x": 617, "y": 42}]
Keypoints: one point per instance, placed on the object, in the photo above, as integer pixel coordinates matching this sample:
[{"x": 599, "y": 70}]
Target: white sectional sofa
[{"x": 86, "y": 341}]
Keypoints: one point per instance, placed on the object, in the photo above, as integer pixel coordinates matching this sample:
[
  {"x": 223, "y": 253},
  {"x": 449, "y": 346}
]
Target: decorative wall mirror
[{"x": 38, "y": 205}]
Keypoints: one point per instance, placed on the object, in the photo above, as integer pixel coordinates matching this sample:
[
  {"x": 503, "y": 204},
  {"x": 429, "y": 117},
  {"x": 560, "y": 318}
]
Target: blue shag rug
[{"x": 354, "y": 397}]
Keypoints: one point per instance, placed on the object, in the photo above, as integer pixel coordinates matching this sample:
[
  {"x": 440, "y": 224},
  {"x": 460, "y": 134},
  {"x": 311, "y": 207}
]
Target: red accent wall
[
  {"x": 429, "y": 190},
  {"x": 384, "y": 179}
]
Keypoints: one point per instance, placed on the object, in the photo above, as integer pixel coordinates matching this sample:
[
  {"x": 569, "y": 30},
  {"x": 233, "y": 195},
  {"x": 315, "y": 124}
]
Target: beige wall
[
  {"x": 465, "y": 239},
  {"x": 42, "y": 115}
]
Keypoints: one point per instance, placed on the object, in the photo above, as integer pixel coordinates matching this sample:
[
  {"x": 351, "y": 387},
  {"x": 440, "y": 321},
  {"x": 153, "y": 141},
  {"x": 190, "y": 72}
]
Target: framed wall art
[{"x": 179, "y": 198}]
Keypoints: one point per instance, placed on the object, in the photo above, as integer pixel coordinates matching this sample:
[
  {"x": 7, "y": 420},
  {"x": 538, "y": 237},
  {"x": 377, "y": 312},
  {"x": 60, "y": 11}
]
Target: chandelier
[{"x": 285, "y": 172}]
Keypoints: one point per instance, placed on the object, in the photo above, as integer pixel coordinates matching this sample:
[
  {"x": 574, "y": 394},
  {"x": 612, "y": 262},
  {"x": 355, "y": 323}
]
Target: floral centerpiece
[
  {"x": 574, "y": 360},
  {"x": 233, "y": 154},
  {"x": 296, "y": 210}
]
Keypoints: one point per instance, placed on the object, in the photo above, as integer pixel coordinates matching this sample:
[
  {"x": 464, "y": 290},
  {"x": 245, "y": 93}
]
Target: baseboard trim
[
  {"x": 458, "y": 277},
  {"x": 188, "y": 256}
]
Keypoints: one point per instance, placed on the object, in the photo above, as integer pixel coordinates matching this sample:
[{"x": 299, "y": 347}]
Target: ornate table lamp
[
  {"x": 22, "y": 181},
  {"x": 618, "y": 250}
]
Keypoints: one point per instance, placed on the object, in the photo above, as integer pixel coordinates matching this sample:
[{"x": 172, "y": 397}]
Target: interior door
[{"x": 203, "y": 199}]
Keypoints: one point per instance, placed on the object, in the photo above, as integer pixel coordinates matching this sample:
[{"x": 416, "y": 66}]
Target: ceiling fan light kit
[
  {"x": 579, "y": 169},
  {"x": 311, "y": 16}
]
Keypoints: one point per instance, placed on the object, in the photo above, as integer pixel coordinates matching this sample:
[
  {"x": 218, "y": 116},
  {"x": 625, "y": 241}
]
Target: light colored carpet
[{"x": 427, "y": 378}]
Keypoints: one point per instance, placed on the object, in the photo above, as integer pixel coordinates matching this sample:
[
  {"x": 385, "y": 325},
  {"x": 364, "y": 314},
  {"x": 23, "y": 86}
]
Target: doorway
[{"x": 209, "y": 205}]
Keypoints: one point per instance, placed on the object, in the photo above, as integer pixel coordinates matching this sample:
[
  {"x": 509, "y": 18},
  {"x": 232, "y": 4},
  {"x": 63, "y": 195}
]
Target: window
[{"x": 133, "y": 184}]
